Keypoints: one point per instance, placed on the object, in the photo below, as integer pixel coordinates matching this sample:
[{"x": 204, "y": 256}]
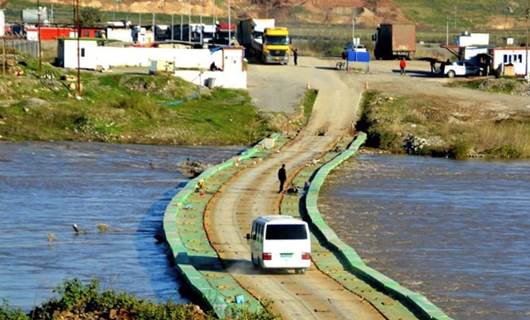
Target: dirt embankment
[
  {"x": 369, "y": 13},
  {"x": 427, "y": 115}
]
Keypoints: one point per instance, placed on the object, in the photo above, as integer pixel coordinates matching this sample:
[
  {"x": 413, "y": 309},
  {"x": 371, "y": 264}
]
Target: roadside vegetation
[
  {"x": 428, "y": 125},
  {"x": 511, "y": 86},
  {"x": 308, "y": 103},
  {"x": 123, "y": 108},
  {"x": 79, "y": 301},
  {"x": 291, "y": 124}
]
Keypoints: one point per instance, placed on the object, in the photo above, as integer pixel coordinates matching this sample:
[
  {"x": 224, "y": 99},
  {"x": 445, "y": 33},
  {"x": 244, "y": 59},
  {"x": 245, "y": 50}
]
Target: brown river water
[
  {"x": 47, "y": 187},
  {"x": 456, "y": 231}
]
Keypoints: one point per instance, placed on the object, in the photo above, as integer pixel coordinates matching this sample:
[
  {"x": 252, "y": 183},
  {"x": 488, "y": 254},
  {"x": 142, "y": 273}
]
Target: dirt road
[
  {"x": 254, "y": 192},
  {"x": 384, "y": 76}
]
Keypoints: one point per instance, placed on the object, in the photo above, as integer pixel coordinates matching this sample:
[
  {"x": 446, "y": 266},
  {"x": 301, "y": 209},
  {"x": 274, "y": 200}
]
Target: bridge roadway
[{"x": 253, "y": 192}]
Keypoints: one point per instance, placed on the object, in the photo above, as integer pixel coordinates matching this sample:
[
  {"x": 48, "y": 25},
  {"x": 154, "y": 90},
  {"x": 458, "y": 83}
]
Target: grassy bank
[
  {"x": 76, "y": 300},
  {"x": 427, "y": 125},
  {"x": 124, "y": 108},
  {"x": 509, "y": 86}
]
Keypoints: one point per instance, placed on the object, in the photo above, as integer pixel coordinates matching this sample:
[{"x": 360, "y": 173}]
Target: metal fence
[{"x": 30, "y": 48}]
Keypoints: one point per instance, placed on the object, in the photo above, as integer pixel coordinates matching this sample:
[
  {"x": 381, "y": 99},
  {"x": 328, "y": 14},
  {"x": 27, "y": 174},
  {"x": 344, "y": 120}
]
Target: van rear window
[{"x": 286, "y": 232}]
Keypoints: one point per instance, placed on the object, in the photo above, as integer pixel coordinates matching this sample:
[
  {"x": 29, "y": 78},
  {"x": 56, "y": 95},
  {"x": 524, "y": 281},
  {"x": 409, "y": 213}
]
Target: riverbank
[
  {"x": 123, "y": 108},
  {"x": 422, "y": 124}
]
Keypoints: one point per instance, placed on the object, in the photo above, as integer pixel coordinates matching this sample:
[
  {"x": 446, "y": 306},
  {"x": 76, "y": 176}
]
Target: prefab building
[
  {"x": 189, "y": 64},
  {"x": 48, "y": 33},
  {"x": 515, "y": 58}
]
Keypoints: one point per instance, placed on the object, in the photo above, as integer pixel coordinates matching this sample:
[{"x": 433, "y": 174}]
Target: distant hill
[{"x": 428, "y": 14}]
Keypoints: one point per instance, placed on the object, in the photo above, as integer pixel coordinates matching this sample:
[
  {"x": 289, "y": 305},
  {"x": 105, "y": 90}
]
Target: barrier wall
[
  {"x": 417, "y": 303},
  {"x": 194, "y": 279}
]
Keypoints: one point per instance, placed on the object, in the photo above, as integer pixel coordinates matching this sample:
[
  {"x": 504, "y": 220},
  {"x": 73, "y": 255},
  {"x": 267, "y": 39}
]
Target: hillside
[{"x": 490, "y": 14}]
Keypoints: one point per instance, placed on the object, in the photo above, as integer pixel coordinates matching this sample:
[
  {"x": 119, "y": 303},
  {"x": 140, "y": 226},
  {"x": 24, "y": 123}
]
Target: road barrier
[
  {"x": 417, "y": 303},
  {"x": 212, "y": 297}
]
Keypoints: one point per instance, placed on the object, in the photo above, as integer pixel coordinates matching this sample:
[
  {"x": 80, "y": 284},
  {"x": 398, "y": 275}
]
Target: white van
[{"x": 280, "y": 242}]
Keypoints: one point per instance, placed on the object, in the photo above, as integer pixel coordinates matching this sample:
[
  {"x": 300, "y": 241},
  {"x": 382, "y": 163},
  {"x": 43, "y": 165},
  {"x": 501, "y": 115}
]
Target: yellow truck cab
[{"x": 276, "y": 45}]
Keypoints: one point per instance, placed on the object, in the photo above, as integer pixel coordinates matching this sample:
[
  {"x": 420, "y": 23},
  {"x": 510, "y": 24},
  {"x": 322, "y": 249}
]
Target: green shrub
[
  {"x": 460, "y": 150},
  {"x": 9, "y": 313}
]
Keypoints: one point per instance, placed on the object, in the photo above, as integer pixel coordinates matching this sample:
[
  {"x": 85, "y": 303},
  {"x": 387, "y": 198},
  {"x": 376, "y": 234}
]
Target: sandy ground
[{"x": 254, "y": 192}]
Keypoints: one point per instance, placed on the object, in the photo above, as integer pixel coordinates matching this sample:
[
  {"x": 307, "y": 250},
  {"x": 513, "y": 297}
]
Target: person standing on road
[
  {"x": 402, "y": 66},
  {"x": 282, "y": 176},
  {"x": 295, "y": 56}
]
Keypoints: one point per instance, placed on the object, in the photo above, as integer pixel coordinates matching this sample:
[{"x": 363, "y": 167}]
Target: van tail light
[
  {"x": 306, "y": 256},
  {"x": 267, "y": 256}
]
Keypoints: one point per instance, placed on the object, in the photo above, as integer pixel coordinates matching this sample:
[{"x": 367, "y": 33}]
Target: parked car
[{"x": 461, "y": 68}]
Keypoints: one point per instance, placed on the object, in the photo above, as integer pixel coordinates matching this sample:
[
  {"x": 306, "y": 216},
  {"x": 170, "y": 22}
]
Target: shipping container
[{"x": 395, "y": 41}]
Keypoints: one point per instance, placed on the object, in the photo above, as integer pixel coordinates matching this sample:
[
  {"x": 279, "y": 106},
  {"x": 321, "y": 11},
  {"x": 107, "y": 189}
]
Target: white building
[
  {"x": 473, "y": 39},
  {"x": 119, "y": 34},
  {"x": 2, "y": 23},
  {"x": 232, "y": 74},
  {"x": 191, "y": 64},
  {"x": 516, "y": 58}
]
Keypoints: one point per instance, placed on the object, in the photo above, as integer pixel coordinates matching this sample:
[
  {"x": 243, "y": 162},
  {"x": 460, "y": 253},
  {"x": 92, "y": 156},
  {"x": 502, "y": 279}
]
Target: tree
[{"x": 91, "y": 17}]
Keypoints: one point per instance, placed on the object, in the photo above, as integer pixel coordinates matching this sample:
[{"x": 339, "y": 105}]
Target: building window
[
  {"x": 82, "y": 52},
  {"x": 520, "y": 58},
  {"x": 505, "y": 59}
]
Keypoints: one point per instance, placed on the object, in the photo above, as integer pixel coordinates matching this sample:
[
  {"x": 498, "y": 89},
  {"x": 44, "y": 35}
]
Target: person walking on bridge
[
  {"x": 295, "y": 56},
  {"x": 282, "y": 176}
]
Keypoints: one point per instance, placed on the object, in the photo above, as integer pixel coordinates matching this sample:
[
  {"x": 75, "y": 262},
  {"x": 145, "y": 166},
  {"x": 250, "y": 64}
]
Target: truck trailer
[
  {"x": 264, "y": 41},
  {"x": 395, "y": 41}
]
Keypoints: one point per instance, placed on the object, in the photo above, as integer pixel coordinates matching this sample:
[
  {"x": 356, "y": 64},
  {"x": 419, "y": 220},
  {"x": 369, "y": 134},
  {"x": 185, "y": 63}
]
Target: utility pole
[
  {"x": 172, "y": 27},
  {"x": 153, "y": 26},
  {"x": 456, "y": 12},
  {"x": 4, "y": 55},
  {"x": 447, "y": 32},
  {"x": 353, "y": 31},
  {"x": 526, "y": 44},
  {"x": 39, "y": 37},
  {"x": 181, "y": 26},
  {"x": 527, "y": 76},
  {"x": 229, "y": 25},
  {"x": 214, "y": 18},
  {"x": 189, "y": 25},
  {"x": 78, "y": 27}
]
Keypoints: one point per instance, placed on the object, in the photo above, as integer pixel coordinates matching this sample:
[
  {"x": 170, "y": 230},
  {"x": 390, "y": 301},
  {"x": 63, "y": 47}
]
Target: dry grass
[{"x": 448, "y": 128}]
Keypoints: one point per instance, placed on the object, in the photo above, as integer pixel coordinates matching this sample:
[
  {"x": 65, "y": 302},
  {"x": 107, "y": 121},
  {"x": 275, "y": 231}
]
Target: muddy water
[
  {"x": 47, "y": 187},
  {"x": 456, "y": 231}
]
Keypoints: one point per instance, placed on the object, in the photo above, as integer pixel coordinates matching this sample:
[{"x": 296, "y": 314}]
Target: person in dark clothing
[
  {"x": 282, "y": 176},
  {"x": 295, "y": 56}
]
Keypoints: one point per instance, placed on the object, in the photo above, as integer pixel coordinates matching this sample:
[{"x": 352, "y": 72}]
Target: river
[
  {"x": 457, "y": 231},
  {"x": 47, "y": 187}
]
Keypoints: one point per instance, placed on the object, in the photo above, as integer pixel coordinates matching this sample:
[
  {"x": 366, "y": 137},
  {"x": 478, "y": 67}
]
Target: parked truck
[
  {"x": 395, "y": 41},
  {"x": 264, "y": 41},
  {"x": 224, "y": 34}
]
